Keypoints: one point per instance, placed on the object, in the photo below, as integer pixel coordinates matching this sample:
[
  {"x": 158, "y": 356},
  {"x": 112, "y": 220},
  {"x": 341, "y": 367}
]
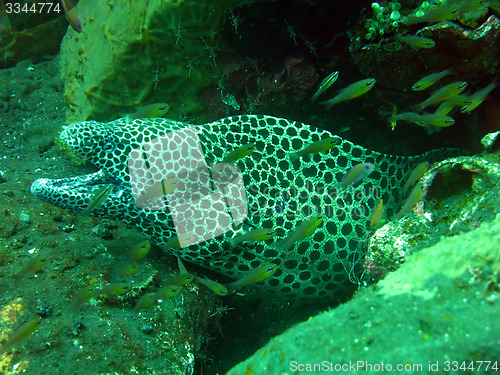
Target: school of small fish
[{"x": 446, "y": 98}]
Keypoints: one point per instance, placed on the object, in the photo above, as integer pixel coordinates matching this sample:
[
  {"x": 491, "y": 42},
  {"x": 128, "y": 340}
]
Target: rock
[
  {"x": 30, "y": 40},
  {"x": 459, "y": 194},
  {"x": 490, "y": 142},
  {"x": 24, "y": 217},
  {"x": 101, "y": 231},
  {"x": 439, "y": 305},
  {"x": 68, "y": 228},
  {"x": 132, "y": 53},
  {"x": 43, "y": 309},
  {"x": 77, "y": 328},
  {"x": 147, "y": 329}
]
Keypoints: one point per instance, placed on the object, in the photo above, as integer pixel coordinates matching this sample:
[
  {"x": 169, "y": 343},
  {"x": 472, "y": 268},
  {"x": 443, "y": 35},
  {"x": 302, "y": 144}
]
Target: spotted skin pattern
[{"x": 281, "y": 194}]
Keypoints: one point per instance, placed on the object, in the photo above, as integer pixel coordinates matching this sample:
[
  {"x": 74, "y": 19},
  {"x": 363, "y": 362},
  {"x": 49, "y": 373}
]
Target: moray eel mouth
[
  {"x": 76, "y": 193},
  {"x": 280, "y": 193}
]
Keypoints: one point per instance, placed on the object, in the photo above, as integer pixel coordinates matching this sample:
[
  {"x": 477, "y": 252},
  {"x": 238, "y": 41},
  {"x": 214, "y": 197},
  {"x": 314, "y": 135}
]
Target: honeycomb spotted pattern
[{"x": 281, "y": 193}]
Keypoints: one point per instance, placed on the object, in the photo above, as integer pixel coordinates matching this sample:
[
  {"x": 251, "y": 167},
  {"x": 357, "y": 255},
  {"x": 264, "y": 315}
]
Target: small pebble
[
  {"x": 146, "y": 329},
  {"x": 78, "y": 327},
  {"x": 43, "y": 309},
  {"x": 25, "y": 218},
  {"x": 68, "y": 228},
  {"x": 102, "y": 232},
  {"x": 108, "y": 224}
]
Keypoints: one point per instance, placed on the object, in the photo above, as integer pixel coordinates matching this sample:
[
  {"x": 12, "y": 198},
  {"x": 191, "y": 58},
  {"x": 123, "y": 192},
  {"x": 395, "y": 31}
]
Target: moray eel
[{"x": 279, "y": 192}]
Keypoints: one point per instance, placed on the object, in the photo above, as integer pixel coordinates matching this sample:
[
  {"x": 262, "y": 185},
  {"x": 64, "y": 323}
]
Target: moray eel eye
[{"x": 109, "y": 146}]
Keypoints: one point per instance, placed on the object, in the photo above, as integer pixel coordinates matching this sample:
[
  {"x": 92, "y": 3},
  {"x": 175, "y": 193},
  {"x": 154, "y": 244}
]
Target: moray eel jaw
[
  {"x": 98, "y": 143},
  {"x": 75, "y": 193},
  {"x": 90, "y": 140}
]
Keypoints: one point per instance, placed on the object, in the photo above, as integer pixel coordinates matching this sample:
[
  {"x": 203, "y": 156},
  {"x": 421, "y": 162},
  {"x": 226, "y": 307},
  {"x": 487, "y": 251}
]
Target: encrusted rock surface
[
  {"x": 441, "y": 305},
  {"x": 459, "y": 194},
  {"x": 132, "y": 53}
]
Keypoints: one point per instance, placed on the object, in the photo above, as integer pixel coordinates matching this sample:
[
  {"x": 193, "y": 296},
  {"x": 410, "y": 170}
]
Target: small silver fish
[
  {"x": 442, "y": 94},
  {"x": 2, "y": 14},
  {"x": 253, "y": 276},
  {"x": 98, "y": 198},
  {"x": 72, "y": 15},
  {"x": 478, "y": 97},
  {"x": 429, "y": 80},
  {"x": 239, "y": 153},
  {"x": 377, "y": 214},
  {"x": 325, "y": 84},
  {"x": 357, "y": 173},
  {"x": 350, "y": 92},
  {"x": 148, "y": 111},
  {"x": 260, "y": 234},
  {"x": 410, "y": 202},
  {"x": 316, "y": 147},
  {"x": 445, "y": 108},
  {"x": 415, "y": 175},
  {"x": 23, "y": 331},
  {"x": 444, "y": 12},
  {"x": 424, "y": 119},
  {"x": 214, "y": 286},
  {"x": 303, "y": 230},
  {"x": 416, "y": 41}
]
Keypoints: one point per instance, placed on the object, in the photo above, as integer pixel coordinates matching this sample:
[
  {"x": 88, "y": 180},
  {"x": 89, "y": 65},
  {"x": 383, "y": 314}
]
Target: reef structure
[
  {"x": 169, "y": 47},
  {"x": 276, "y": 190}
]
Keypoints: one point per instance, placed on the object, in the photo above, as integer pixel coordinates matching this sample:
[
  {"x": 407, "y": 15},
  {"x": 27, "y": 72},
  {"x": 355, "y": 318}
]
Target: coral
[
  {"x": 11, "y": 314},
  {"x": 469, "y": 53},
  {"x": 459, "y": 194},
  {"x": 441, "y": 301},
  {"x": 386, "y": 20}
]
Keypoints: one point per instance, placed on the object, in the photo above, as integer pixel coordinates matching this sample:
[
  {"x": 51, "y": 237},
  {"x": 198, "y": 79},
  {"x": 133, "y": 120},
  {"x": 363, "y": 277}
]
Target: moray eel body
[{"x": 278, "y": 192}]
